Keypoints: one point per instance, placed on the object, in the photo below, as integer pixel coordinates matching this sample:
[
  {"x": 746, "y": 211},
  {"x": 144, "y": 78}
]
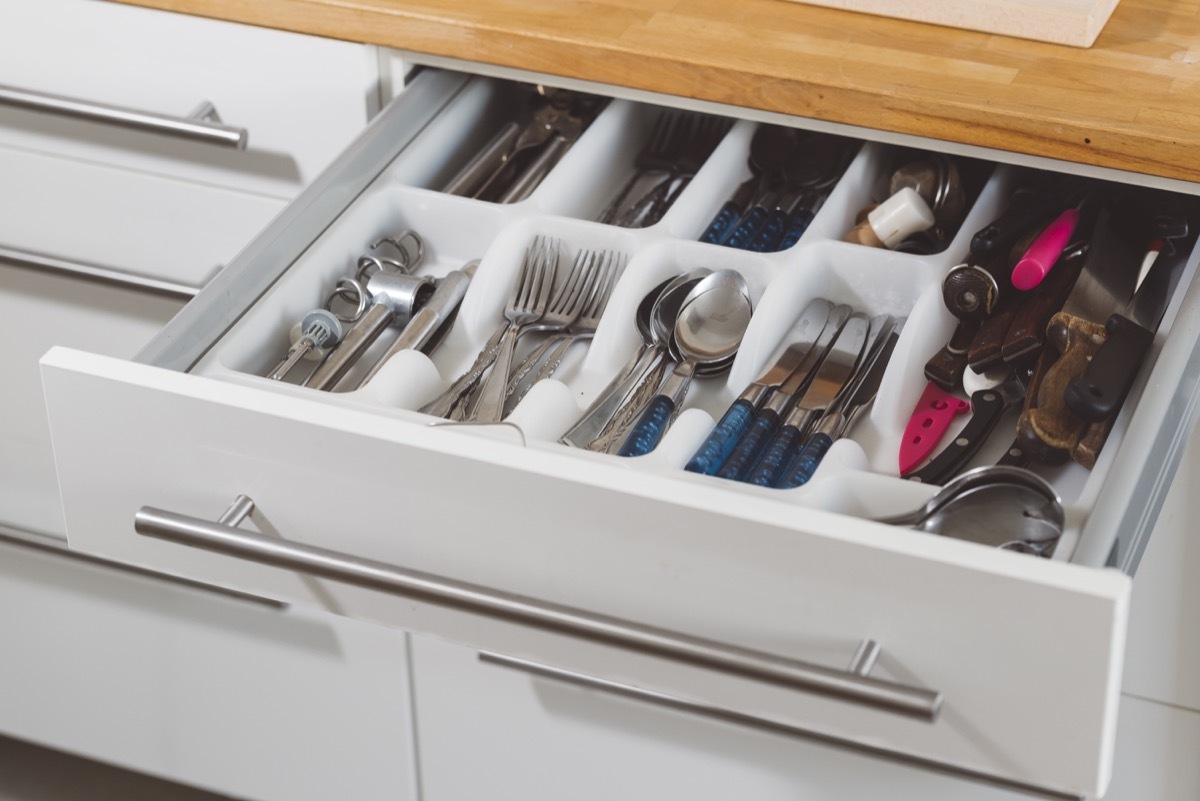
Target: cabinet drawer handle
[
  {"x": 728, "y": 715},
  {"x": 93, "y": 272},
  {"x": 224, "y": 537},
  {"x": 202, "y": 125}
]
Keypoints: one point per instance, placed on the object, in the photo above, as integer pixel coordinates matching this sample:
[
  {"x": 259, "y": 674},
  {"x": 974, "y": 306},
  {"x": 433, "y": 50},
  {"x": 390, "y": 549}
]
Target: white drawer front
[
  {"x": 128, "y": 222},
  {"x": 163, "y": 63},
  {"x": 531, "y": 738},
  {"x": 238, "y": 697},
  {"x": 951, "y": 616},
  {"x": 562, "y": 556}
]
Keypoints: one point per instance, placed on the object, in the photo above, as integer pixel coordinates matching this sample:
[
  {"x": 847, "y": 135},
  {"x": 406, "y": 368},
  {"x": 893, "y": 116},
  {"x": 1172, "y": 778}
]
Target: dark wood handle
[
  {"x": 1027, "y": 334},
  {"x": 1075, "y": 340},
  {"x": 947, "y": 365},
  {"x": 985, "y": 351}
]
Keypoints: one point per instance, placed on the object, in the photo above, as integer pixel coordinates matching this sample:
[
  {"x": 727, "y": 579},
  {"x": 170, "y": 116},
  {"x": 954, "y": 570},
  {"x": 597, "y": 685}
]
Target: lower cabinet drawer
[
  {"x": 753, "y": 601},
  {"x": 527, "y": 736},
  {"x": 111, "y": 84},
  {"x": 38, "y": 311},
  {"x": 236, "y": 696}
]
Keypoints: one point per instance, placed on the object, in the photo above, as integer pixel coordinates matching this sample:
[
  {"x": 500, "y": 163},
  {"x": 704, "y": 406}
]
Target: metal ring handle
[
  {"x": 202, "y": 126},
  {"x": 92, "y": 272},
  {"x": 225, "y": 538}
]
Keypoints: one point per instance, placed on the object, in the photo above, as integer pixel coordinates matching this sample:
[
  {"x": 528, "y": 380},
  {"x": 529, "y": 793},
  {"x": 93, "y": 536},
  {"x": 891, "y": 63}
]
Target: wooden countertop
[{"x": 1131, "y": 102}]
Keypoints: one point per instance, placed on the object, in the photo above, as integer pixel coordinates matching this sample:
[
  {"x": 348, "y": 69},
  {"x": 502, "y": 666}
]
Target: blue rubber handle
[
  {"x": 769, "y": 236},
  {"x": 744, "y": 455},
  {"x": 650, "y": 427},
  {"x": 722, "y": 224},
  {"x": 775, "y": 457},
  {"x": 796, "y": 228},
  {"x": 805, "y": 464},
  {"x": 720, "y": 443},
  {"x": 750, "y": 225}
]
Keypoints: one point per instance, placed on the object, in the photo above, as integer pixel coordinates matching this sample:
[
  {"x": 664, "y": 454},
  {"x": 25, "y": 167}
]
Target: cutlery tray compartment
[{"x": 802, "y": 573}]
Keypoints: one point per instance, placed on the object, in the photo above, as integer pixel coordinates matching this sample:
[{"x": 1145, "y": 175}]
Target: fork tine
[
  {"x": 548, "y": 268},
  {"x": 568, "y": 286}
]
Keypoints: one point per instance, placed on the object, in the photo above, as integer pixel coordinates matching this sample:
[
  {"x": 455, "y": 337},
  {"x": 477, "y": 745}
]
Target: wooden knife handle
[
  {"x": 985, "y": 352},
  {"x": 1027, "y": 440},
  {"x": 1093, "y": 439},
  {"x": 947, "y": 365},
  {"x": 1028, "y": 331},
  {"x": 1075, "y": 340}
]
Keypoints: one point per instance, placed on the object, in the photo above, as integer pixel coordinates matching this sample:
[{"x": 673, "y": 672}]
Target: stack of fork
[
  {"x": 677, "y": 148},
  {"x": 565, "y": 304}
]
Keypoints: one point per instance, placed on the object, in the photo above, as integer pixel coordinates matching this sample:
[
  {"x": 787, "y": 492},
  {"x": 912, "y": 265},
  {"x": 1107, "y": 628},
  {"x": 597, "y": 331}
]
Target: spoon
[
  {"x": 663, "y": 317},
  {"x": 771, "y": 149},
  {"x": 708, "y": 330},
  {"x": 603, "y": 410},
  {"x": 1004, "y": 507}
]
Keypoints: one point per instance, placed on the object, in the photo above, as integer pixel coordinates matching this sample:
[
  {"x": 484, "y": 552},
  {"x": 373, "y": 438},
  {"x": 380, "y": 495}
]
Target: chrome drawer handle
[
  {"x": 92, "y": 272},
  {"x": 224, "y": 537},
  {"x": 202, "y": 125}
]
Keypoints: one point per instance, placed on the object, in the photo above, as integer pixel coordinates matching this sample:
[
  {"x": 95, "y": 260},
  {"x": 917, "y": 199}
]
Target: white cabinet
[
  {"x": 239, "y": 696},
  {"x": 152, "y": 216},
  {"x": 624, "y": 570},
  {"x": 105, "y": 232}
]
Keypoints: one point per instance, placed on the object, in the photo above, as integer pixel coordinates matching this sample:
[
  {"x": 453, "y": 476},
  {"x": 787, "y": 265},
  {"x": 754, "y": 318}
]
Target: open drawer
[{"x": 747, "y": 601}]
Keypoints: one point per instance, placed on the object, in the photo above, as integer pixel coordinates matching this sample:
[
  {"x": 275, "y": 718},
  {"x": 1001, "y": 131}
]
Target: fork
[
  {"x": 606, "y": 267},
  {"x": 656, "y": 155},
  {"x": 525, "y": 305}
]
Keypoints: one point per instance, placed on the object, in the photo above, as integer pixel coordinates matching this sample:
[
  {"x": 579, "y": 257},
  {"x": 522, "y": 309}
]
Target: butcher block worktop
[{"x": 1130, "y": 102}]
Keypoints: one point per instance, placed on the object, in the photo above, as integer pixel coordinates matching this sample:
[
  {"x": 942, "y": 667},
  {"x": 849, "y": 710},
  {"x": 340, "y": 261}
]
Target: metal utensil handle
[
  {"x": 445, "y": 402},
  {"x": 199, "y": 127},
  {"x": 485, "y": 163},
  {"x": 645, "y": 389},
  {"x": 91, "y": 272},
  {"x": 381, "y": 576},
  {"x": 606, "y": 405}
]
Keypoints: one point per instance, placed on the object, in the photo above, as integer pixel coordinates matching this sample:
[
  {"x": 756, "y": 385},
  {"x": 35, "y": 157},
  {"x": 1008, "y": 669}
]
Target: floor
[{"x": 31, "y": 773}]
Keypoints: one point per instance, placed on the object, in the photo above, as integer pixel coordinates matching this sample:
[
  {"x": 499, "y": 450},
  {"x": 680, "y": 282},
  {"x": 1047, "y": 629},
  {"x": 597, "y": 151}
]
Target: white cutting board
[{"x": 1069, "y": 22}]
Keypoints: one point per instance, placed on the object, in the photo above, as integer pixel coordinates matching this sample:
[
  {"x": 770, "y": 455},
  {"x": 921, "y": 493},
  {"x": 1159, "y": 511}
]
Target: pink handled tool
[
  {"x": 1044, "y": 251},
  {"x": 928, "y": 423}
]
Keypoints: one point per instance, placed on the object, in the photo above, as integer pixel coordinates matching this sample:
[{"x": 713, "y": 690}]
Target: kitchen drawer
[
  {"x": 231, "y": 694},
  {"x": 747, "y": 600},
  {"x": 160, "y": 63},
  {"x": 527, "y": 736},
  {"x": 37, "y": 311}
]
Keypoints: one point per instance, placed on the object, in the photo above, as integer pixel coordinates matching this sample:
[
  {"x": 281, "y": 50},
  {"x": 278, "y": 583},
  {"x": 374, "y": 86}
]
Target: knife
[
  {"x": 1074, "y": 335},
  {"x": 930, "y": 420},
  {"x": 787, "y": 358},
  {"x": 777, "y": 400},
  {"x": 988, "y": 406},
  {"x": 1098, "y": 393},
  {"x": 859, "y": 394},
  {"x": 835, "y": 372}
]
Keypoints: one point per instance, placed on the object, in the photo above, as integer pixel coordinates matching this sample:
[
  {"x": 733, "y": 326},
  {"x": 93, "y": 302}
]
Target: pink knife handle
[
  {"x": 1044, "y": 251},
  {"x": 928, "y": 423}
]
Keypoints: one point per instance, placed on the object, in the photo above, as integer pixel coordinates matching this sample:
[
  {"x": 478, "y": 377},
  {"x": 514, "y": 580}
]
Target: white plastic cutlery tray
[{"x": 1025, "y": 653}]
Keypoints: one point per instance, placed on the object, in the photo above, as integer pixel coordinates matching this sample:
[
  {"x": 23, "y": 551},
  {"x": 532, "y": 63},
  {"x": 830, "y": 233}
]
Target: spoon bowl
[{"x": 1000, "y": 506}]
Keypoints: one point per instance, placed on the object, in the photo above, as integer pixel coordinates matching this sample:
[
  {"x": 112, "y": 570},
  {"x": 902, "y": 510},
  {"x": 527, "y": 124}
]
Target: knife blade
[
  {"x": 788, "y": 357},
  {"x": 1098, "y": 393},
  {"x": 836, "y": 371},
  {"x": 776, "y": 402},
  {"x": 1073, "y": 336},
  {"x": 840, "y": 416}
]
